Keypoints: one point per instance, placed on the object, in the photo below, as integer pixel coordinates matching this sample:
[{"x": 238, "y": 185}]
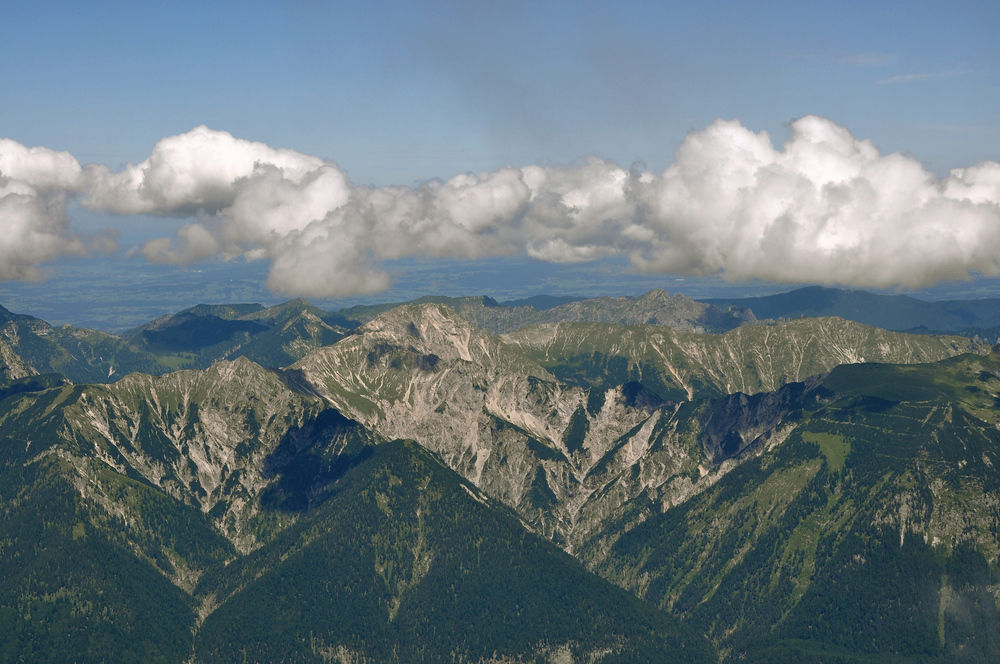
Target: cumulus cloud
[
  {"x": 35, "y": 184},
  {"x": 187, "y": 173},
  {"x": 824, "y": 207}
]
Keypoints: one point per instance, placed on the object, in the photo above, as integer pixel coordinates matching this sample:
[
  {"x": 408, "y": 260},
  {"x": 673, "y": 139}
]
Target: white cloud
[
  {"x": 40, "y": 168},
  {"x": 34, "y": 186},
  {"x": 906, "y": 78},
  {"x": 828, "y": 208},
  {"x": 824, "y": 207},
  {"x": 188, "y": 173}
]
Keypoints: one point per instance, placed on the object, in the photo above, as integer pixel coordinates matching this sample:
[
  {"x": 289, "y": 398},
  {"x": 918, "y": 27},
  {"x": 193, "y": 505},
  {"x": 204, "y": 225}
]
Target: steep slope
[
  {"x": 206, "y": 516},
  {"x": 95, "y": 565},
  {"x": 209, "y": 439},
  {"x": 753, "y": 358},
  {"x": 869, "y": 534},
  {"x": 12, "y": 365},
  {"x": 407, "y": 563},
  {"x": 498, "y": 419}
]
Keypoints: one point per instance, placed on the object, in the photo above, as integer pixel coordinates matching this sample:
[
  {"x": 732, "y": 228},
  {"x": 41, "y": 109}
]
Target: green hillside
[{"x": 869, "y": 535}]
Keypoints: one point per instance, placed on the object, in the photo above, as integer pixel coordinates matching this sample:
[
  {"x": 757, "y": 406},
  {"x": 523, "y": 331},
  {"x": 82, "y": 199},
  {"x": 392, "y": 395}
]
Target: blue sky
[
  {"x": 396, "y": 92},
  {"x": 405, "y": 92}
]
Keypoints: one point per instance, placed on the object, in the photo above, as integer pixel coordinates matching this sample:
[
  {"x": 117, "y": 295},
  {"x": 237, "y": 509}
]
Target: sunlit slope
[
  {"x": 681, "y": 365},
  {"x": 550, "y": 451},
  {"x": 869, "y": 534}
]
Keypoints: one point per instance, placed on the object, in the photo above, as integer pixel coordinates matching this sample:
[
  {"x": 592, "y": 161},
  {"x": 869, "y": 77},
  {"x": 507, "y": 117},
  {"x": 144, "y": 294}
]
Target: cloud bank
[
  {"x": 34, "y": 186},
  {"x": 824, "y": 207}
]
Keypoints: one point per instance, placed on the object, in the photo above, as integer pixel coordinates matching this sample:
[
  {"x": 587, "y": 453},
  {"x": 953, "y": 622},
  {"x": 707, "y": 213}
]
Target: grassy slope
[{"x": 869, "y": 535}]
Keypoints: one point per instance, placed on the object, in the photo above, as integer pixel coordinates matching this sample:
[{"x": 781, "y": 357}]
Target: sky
[{"x": 333, "y": 144}]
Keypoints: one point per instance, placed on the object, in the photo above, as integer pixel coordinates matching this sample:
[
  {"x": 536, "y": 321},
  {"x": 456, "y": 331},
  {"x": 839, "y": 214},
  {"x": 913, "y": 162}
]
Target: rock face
[
  {"x": 749, "y": 359},
  {"x": 497, "y": 418},
  {"x": 210, "y": 439},
  {"x": 627, "y": 446},
  {"x": 13, "y": 365},
  {"x": 567, "y": 456}
]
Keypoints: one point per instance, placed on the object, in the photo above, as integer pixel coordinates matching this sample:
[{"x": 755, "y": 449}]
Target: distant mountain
[
  {"x": 273, "y": 336},
  {"x": 542, "y": 302},
  {"x": 82, "y": 355},
  {"x": 194, "y": 338},
  {"x": 655, "y": 307},
  {"x": 891, "y": 312}
]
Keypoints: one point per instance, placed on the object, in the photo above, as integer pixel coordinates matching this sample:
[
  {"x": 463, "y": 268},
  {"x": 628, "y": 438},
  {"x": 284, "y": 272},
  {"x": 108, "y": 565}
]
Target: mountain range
[
  {"x": 892, "y": 312},
  {"x": 403, "y": 484}
]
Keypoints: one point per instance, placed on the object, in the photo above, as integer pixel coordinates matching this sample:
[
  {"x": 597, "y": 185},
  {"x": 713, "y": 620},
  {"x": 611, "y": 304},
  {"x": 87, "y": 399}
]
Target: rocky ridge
[{"x": 564, "y": 455}]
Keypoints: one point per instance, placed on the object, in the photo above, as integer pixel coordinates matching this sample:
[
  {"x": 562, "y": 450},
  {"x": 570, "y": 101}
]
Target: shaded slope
[
  {"x": 891, "y": 312},
  {"x": 406, "y": 563}
]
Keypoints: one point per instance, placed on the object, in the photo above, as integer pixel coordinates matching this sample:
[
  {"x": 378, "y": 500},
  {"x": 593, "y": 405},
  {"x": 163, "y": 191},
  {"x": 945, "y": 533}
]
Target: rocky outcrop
[{"x": 12, "y": 365}]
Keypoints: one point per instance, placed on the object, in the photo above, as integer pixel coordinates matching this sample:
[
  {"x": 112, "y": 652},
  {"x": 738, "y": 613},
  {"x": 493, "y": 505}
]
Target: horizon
[
  {"x": 350, "y": 155},
  {"x": 162, "y": 291}
]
